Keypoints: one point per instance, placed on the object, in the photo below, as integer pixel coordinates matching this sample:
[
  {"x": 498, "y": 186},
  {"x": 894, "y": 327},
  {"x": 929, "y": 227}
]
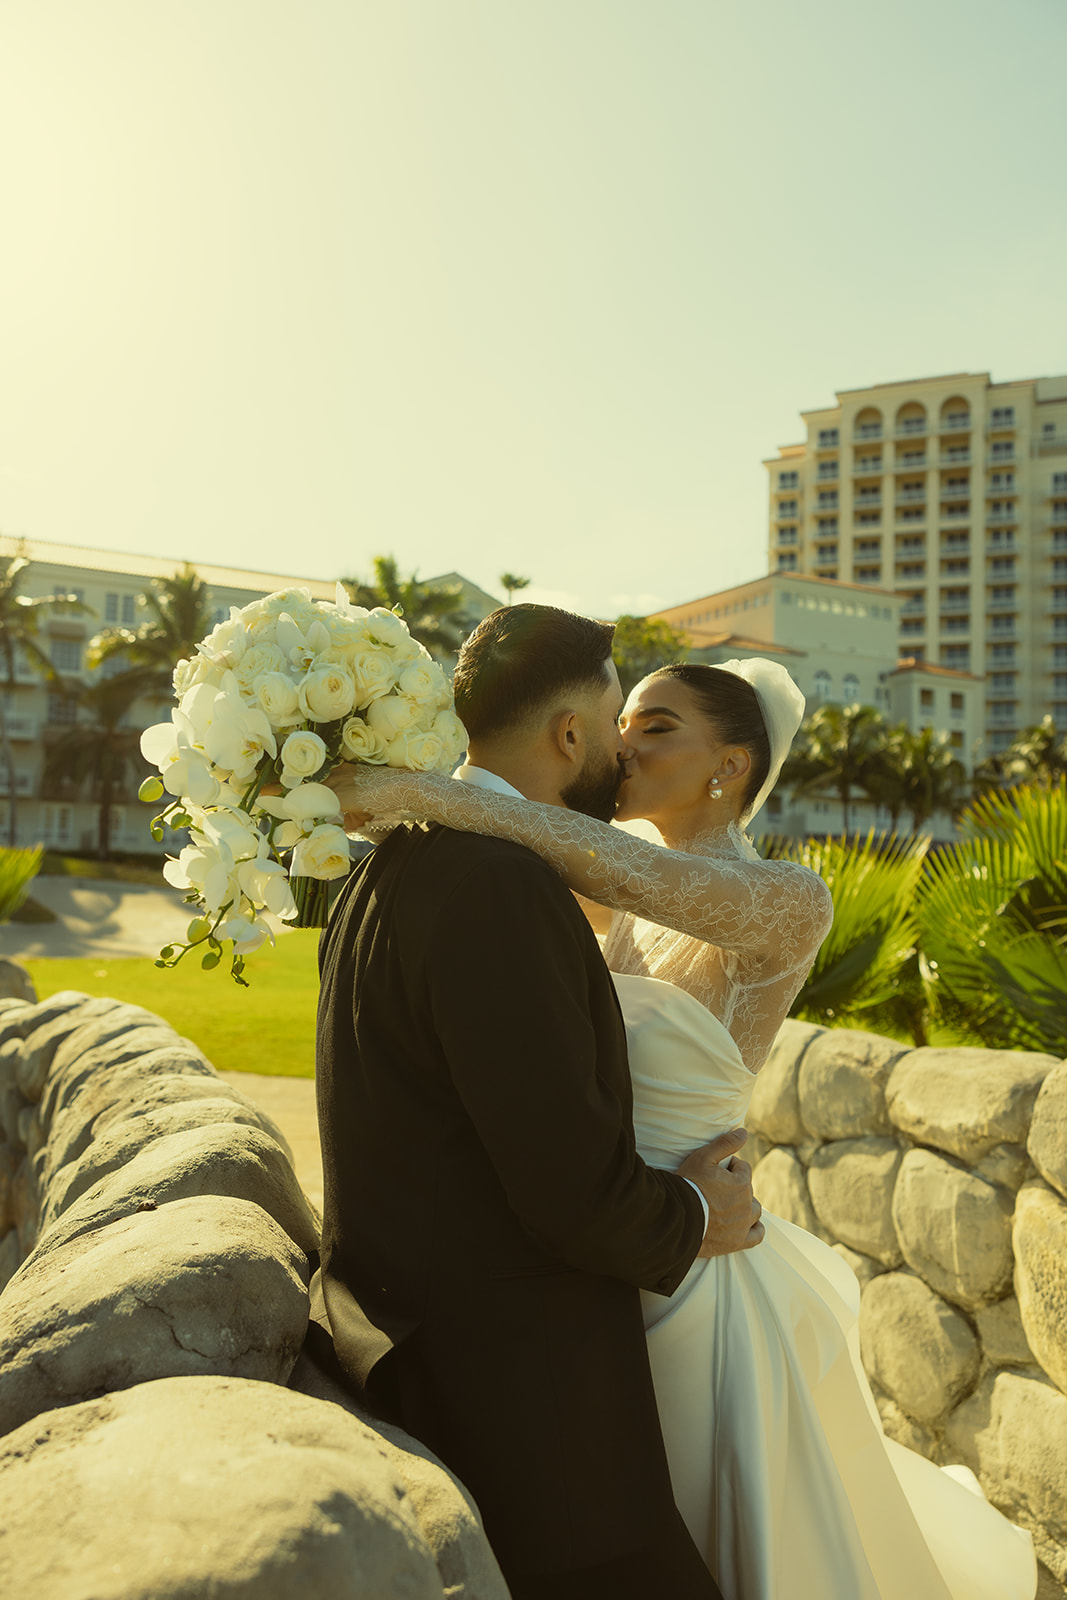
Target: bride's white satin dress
[{"x": 778, "y": 1460}]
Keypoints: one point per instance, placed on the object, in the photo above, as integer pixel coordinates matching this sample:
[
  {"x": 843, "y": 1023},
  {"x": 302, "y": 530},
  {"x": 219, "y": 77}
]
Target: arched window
[
  {"x": 955, "y": 415},
  {"x": 869, "y": 423},
  {"x": 852, "y": 688},
  {"x": 911, "y": 418},
  {"x": 823, "y": 686}
]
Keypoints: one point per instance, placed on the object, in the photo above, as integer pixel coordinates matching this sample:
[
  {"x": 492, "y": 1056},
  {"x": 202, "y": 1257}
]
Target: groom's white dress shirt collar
[{"x": 482, "y": 778}]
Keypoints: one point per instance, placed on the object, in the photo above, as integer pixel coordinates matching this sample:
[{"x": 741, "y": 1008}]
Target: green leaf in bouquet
[{"x": 151, "y": 790}]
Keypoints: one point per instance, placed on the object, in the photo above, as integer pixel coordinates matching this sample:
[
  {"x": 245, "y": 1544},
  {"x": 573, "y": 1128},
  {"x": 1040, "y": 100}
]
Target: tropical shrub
[
  {"x": 992, "y": 914},
  {"x": 867, "y": 972},
  {"x": 18, "y": 868}
]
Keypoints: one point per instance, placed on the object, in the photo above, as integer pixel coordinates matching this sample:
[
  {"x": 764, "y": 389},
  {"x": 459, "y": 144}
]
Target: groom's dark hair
[{"x": 522, "y": 657}]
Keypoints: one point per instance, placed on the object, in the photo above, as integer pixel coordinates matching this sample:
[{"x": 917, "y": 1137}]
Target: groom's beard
[{"x": 595, "y": 791}]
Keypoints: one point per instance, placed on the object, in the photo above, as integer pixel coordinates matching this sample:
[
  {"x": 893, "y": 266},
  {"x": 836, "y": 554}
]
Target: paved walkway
[{"x": 97, "y": 916}]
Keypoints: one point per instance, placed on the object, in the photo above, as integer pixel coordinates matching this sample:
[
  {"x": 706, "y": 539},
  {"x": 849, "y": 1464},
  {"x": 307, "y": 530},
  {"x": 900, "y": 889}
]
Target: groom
[{"x": 487, "y": 1222}]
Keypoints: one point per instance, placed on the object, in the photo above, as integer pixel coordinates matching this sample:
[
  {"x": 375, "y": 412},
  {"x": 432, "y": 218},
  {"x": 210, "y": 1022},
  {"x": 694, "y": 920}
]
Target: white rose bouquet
[{"x": 279, "y": 695}]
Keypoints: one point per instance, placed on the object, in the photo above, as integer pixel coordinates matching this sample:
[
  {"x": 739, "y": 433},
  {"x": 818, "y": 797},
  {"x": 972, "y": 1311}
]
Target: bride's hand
[{"x": 365, "y": 792}]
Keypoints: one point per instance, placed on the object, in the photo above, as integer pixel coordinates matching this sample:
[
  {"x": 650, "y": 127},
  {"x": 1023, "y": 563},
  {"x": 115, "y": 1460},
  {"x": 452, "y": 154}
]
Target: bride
[{"x": 779, "y": 1465}]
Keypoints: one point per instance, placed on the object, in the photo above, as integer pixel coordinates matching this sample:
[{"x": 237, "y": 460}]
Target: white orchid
[
  {"x": 300, "y": 645},
  {"x": 184, "y": 768}
]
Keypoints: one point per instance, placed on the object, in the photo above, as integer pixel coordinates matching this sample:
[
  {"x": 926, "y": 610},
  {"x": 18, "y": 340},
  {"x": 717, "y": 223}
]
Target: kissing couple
[{"x": 541, "y": 1253}]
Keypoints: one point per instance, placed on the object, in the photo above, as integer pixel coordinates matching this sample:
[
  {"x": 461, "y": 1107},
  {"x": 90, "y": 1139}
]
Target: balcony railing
[
  {"x": 962, "y": 604},
  {"x": 955, "y": 624},
  {"x": 1050, "y": 445},
  {"x": 867, "y": 468},
  {"x": 826, "y": 561},
  {"x": 911, "y": 464},
  {"x": 1059, "y": 518},
  {"x": 913, "y": 425},
  {"x": 956, "y": 422},
  {"x": 828, "y": 472},
  {"x": 997, "y": 519},
  {"x": 19, "y": 727},
  {"x": 1059, "y": 541},
  {"x": 911, "y": 607},
  {"x": 910, "y": 496},
  {"x": 868, "y": 430},
  {"x": 993, "y": 606},
  {"x": 955, "y": 513},
  {"x": 955, "y": 458},
  {"x": 1002, "y": 628},
  {"x": 1002, "y": 425},
  {"x": 1000, "y": 454}
]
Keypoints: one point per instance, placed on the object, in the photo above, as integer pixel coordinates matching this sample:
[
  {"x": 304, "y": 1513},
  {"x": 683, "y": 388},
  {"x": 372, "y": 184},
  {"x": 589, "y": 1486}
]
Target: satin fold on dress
[{"x": 779, "y": 1464}]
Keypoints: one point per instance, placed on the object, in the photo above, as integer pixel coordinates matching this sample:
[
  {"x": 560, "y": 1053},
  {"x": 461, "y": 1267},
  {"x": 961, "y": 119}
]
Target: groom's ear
[{"x": 567, "y": 735}]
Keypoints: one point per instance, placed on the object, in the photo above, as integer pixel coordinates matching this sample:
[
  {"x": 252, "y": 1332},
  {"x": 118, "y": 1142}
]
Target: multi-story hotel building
[
  {"x": 109, "y": 585},
  {"x": 952, "y": 492}
]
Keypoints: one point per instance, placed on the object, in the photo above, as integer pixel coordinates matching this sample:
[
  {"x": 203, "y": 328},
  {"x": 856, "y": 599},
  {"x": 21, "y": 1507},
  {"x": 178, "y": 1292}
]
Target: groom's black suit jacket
[{"x": 487, "y": 1223}]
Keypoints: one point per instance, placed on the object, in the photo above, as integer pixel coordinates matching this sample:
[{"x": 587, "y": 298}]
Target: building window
[
  {"x": 956, "y": 703},
  {"x": 823, "y": 685},
  {"x": 1003, "y": 682},
  {"x": 66, "y": 655},
  {"x": 1059, "y": 683},
  {"x": 912, "y": 625},
  {"x": 1002, "y": 653},
  {"x": 62, "y": 710},
  {"x": 788, "y": 480},
  {"x": 869, "y": 518},
  {"x": 787, "y": 561},
  {"x": 1059, "y": 482},
  {"x": 957, "y": 656},
  {"x": 787, "y": 508},
  {"x": 1003, "y": 451},
  {"x": 851, "y": 687},
  {"x": 1003, "y": 416},
  {"x": 787, "y": 536},
  {"x": 827, "y": 527},
  {"x": 129, "y": 609},
  {"x": 1003, "y": 480},
  {"x": 926, "y": 699},
  {"x": 828, "y": 437},
  {"x": 111, "y": 608}
]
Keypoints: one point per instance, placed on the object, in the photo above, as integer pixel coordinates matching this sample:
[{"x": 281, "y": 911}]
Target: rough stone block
[
  {"x": 205, "y": 1285},
  {"x": 11, "y": 1098},
  {"x": 17, "y": 1020},
  {"x": 277, "y": 1496},
  {"x": 916, "y": 1346},
  {"x": 447, "y": 1515},
  {"x": 905, "y": 1430},
  {"x": 89, "y": 1034},
  {"x": 774, "y": 1110},
  {"x": 851, "y": 1184},
  {"x": 954, "y": 1229},
  {"x": 966, "y": 1101},
  {"x": 1006, "y": 1164},
  {"x": 147, "y": 1094},
  {"x": 15, "y": 981},
  {"x": 223, "y": 1160},
  {"x": 1047, "y": 1143},
  {"x": 841, "y": 1083},
  {"x": 865, "y": 1267},
  {"x": 41, "y": 1043},
  {"x": 10, "y": 1159},
  {"x": 1000, "y": 1328},
  {"x": 1013, "y": 1433},
  {"x": 25, "y": 1206},
  {"x": 780, "y": 1184},
  {"x": 64, "y": 1087},
  {"x": 1040, "y": 1238},
  {"x": 10, "y": 1257}
]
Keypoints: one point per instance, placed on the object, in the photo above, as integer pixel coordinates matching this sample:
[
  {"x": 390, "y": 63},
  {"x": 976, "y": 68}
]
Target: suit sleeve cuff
[{"x": 703, "y": 1202}]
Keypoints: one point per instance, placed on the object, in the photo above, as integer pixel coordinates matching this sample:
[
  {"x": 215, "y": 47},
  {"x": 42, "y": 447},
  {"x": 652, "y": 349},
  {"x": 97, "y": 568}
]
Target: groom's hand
[{"x": 725, "y": 1181}]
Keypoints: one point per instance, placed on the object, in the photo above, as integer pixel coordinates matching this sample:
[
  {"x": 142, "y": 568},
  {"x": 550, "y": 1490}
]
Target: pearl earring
[{"x": 715, "y": 791}]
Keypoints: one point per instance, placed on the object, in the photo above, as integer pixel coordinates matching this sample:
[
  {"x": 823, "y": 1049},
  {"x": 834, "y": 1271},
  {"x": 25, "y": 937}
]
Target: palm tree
[
  {"x": 433, "y": 612},
  {"x": 839, "y": 749},
  {"x": 20, "y": 633},
  {"x": 641, "y": 645},
  {"x": 934, "y": 778},
  {"x": 180, "y": 615},
  {"x": 1038, "y": 756},
  {"x": 513, "y": 583},
  {"x": 101, "y": 753}
]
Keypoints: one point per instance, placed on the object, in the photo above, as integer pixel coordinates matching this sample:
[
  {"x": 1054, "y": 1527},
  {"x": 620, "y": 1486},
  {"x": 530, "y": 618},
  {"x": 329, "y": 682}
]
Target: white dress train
[{"x": 779, "y": 1463}]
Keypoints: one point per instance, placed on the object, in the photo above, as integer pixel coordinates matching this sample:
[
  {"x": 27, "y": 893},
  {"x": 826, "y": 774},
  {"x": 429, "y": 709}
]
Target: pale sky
[{"x": 488, "y": 284}]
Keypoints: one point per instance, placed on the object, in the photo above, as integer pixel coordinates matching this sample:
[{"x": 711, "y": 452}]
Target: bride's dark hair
[{"x": 733, "y": 706}]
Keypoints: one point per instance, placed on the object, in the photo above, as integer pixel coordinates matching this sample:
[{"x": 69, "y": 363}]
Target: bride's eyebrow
[{"x": 658, "y": 711}]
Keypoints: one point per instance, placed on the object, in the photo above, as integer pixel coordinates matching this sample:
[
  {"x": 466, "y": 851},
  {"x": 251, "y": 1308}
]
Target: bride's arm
[{"x": 751, "y": 906}]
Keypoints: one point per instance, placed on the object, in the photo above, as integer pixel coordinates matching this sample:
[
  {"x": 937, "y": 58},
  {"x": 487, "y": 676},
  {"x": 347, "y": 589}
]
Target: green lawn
[{"x": 269, "y": 1027}]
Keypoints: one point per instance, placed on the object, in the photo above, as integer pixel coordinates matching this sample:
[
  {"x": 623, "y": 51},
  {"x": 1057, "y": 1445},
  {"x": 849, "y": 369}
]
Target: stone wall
[
  {"x": 941, "y": 1178},
  {"x": 160, "y": 1430}
]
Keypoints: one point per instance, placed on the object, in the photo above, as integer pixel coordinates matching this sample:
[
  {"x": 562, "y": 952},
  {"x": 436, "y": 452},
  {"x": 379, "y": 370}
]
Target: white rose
[
  {"x": 385, "y": 627},
  {"x": 324, "y": 853},
  {"x": 305, "y": 802},
  {"x": 196, "y": 669},
  {"x": 302, "y": 756},
  {"x": 451, "y": 732},
  {"x": 418, "y": 750},
  {"x": 278, "y": 699},
  {"x": 348, "y": 631},
  {"x": 327, "y": 694},
  {"x": 392, "y": 715},
  {"x": 257, "y": 661},
  {"x": 360, "y": 742},
  {"x": 423, "y": 680},
  {"x": 373, "y": 673}
]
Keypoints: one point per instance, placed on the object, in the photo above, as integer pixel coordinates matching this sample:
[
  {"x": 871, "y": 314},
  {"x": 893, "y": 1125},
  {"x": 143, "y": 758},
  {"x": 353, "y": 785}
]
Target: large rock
[
  {"x": 954, "y": 1229},
  {"x": 447, "y": 1515},
  {"x": 865, "y": 1267},
  {"x": 1047, "y": 1143},
  {"x": 917, "y": 1347},
  {"x": 12, "y": 1099},
  {"x": 966, "y": 1101},
  {"x": 17, "y": 1019},
  {"x": 851, "y": 1183},
  {"x": 64, "y": 1089},
  {"x": 10, "y": 1257},
  {"x": 242, "y": 1163},
  {"x": 841, "y": 1083},
  {"x": 275, "y": 1497},
  {"x": 15, "y": 981},
  {"x": 1000, "y": 1329},
  {"x": 774, "y": 1110},
  {"x": 25, "y": 1205},
  {"x": 780, "y": 1184},
  {"x": 10, "y": 1158},
  {"x": 1013, "y": 1433},
  {"x": 1040, "y": 1239},
  {"x": 206, "y": 1285},
  {"x": 74, "y": 1126},
  {"x": 39, "y": 1046},
  {"x": 90, "y": 1033},
  {"x": 145, "y": 1095},
  {"x": 120, "y": 1142},
  {"x": 905, "y": 1430}
]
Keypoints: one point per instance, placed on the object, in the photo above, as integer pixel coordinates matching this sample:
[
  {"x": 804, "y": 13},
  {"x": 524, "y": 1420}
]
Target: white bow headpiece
[{"x": 782, "y": 705}]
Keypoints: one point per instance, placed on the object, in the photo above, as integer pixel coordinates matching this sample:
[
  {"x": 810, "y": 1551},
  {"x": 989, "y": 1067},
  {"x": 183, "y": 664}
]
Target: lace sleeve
[{"x": 759, "y": 907}]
